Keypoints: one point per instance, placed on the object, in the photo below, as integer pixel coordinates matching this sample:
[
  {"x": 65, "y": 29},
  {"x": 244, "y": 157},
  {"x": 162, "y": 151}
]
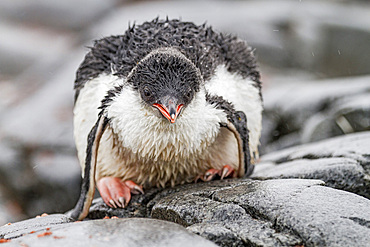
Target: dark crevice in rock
[
  {"x": 315, "y": 157},
  {"x": 362, "y": 222},
  {"x": 282, "y": 160},
  {"x": 309, "y": 156},
  {"x": 351, "y": 180},
  {"x": 365, "y": 163}
]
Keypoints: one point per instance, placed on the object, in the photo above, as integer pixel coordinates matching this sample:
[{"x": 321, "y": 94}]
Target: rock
[
  {"x": 112, "y": 232},
  {"x": 239, "y": 212},
  {"x": 18, "y": 229},
  {"x": 276, "y": 210},
  {"x": 342, "y": 162},
  {"x": 302, "y": 207},
  {"x": 233, "y": 212},
  {"x": 349, "y": 114},
  {"x": 315, "y": 111}
]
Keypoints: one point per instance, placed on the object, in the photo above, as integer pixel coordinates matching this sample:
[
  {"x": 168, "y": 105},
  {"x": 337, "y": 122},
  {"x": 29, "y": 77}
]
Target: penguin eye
[
  {"x": 189, "y": 93},
  {"x": 147, "y": 92}
]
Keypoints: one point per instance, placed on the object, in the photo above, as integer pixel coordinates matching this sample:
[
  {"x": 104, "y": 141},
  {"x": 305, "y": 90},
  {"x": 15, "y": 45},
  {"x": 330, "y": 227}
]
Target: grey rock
[
  {"x": 349, "y": 114},
  {"x": 274, "y": 212},
  {"x": 21, "y": 228},
  {"x": 342, "y": 162},
  {"x": 114, "y": 232},
  {"x": 240, "y": 212},
  {"x": 316, "y": 110},
  {"x": 309, "y": 210}
]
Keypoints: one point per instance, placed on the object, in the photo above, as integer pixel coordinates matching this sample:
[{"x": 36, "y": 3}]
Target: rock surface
[
  {"x": 315, "y": 111},
  {"x": 244, "y": 212},
  {"x": 234, "y": 212},
  {"x": 113, "y": 232},
  {"x": 18, "y": 229},
  {"x": 342, "y": 162}
]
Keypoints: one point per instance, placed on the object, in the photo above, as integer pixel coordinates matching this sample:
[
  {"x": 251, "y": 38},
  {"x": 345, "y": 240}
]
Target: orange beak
[{"x": 171, "y": 112}]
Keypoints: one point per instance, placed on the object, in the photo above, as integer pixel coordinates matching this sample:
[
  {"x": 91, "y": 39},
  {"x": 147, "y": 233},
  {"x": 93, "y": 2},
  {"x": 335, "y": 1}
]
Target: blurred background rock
[{"x": 314, "y": 57}]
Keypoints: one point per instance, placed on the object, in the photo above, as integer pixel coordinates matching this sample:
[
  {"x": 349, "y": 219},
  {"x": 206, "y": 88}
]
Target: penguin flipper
[
  {"x": 81, "y": 210},
  {"x": 237, "y": 124}
]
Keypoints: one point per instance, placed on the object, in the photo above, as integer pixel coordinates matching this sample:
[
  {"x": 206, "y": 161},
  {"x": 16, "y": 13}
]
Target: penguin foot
[
  {"x": 117, "y": 193},
  {"x": 211, "y": 174}
]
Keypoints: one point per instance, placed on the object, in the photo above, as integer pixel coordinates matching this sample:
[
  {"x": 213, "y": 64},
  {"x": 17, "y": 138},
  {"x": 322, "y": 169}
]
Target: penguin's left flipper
[
  {"x": 81, "y": 210},
  {"x": 237, "y": 124}
]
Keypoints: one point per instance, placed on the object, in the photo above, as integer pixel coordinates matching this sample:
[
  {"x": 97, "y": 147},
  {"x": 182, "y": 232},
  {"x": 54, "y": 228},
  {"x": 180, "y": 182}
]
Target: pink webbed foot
[
  {"x": 117, "y": 193},
  {"x": 225, "y": 172}
]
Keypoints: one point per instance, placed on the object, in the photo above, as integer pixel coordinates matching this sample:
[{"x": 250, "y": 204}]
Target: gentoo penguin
[{"x": 166, "y": 103}]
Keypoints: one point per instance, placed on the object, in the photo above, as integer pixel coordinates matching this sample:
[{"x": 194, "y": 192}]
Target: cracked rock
[
  {"x": 232, "y": 212},
  {"x": 342, "y": 162},
  {"x": 245, "y": 212}
]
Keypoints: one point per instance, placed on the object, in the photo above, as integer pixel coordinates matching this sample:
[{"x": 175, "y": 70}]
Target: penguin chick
[{"x": 167, "y": 103}]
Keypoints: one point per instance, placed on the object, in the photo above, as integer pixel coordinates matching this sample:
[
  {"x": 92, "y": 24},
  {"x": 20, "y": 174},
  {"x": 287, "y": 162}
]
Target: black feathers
[
  {"x": 163, "y": 72},
  {"x": 200, "y": 44}
]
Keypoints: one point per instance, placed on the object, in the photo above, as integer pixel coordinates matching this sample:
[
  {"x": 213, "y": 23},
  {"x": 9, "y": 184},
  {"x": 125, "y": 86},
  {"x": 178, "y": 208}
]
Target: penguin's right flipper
[{"x": 81, "y": 210}]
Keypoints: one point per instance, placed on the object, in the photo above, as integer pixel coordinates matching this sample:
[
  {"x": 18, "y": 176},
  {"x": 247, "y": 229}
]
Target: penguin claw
[
  {"x": 226, "y": 171},
  {"x": 117, "y": 193},
  {"x": 122, "y": 202},
  {"x": 135, "y": 189},
  {"x": 211, "y": 174}
]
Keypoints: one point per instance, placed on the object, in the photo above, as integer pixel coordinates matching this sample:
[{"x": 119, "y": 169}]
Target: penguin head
[{"x": 167, "y": 81}]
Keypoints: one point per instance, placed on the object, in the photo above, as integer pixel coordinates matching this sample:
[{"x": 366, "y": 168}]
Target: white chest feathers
[{"x": 142, "y": 131}]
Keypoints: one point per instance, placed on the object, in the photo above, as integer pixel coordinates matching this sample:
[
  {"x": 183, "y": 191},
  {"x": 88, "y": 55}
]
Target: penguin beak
[{"x": 169, "y": 110}]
